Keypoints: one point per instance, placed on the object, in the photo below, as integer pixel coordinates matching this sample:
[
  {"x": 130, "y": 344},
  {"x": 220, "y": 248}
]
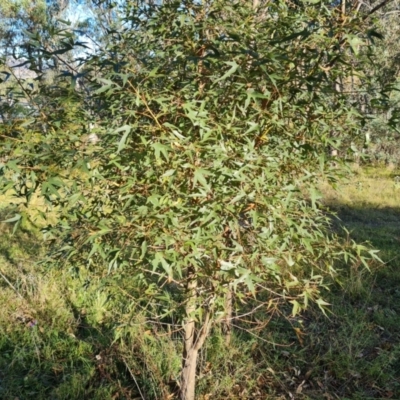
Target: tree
[
  {"x": 213, "y": 119},
  {"x": 381, "y": 94},
  {"x": 17, "y": 15}
]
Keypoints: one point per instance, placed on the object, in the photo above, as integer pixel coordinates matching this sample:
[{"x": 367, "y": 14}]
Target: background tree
[{"x": 381, "y": 100}]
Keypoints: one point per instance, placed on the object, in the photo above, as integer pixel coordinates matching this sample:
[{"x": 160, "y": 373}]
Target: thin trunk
[
  {"x": 193, "y": 341},
  {"x": 227, "y": 323},
  {"x": 188, "y": 376},
  {"x": 188, "y": 379},
  {"x": 190, "y": 353}
]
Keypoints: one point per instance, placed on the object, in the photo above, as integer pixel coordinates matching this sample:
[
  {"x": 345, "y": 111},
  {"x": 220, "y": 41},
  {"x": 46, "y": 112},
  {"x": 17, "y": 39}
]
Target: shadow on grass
[
  {"x": 380, "y": 226},
  {"x": 365, "y": 328},
  {"x": 354, "y": 353}
]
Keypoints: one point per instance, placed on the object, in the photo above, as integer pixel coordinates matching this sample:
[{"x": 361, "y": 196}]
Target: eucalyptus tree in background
[
  {"x": 16, "y": 15},
  {"x": 214, "y": 118},
  {"x": 380, "y": 99},
  {"x": 38, "y": 46}
]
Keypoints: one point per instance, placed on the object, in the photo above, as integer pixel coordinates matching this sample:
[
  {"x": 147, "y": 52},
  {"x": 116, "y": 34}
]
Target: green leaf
[
  {"x": 315, "y": 196},
  {"x": 231, "y": 71},
  {"x": 127, "y": 130},
  {"x": 296, "y": 307},
  {"x": 16, "y": 218},
  {"x": 168, "y": 173},
  {"x": 160, "y": 149},
  {"x": 102, "y": 89},
  {"x": 199, "y": 176},
  {"x": 355, "y": 42},
  {"x": 159, "y": 259},
  {"x": 144, "y": 249},
  {"x": 322, "y": 304}
]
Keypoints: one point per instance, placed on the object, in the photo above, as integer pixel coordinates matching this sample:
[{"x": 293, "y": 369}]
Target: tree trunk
[
  {"x": 189, "y": 362},
  {"x": 227, "y": 322},
  {"x": 193, "y": 341},
  {"x": 188, "y": 377}
]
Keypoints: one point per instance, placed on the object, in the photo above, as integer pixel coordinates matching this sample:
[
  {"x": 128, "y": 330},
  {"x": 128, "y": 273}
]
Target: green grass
[
  {"x": 69, "y": 335},
  {"x": 367, "y": 312},
  {"x": 55, "y": 336},
  {"x": 40, "y": 355}
]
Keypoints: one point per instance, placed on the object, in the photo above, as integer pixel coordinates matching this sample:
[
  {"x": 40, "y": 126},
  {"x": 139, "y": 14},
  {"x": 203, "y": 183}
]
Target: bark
[
  {"x": 188, "y": 378},
  {"x": 190, "y": 353},
  {"x": 188, "y": 375},
  {"x": 227, "y": 322},
  {"x": 193, "y": 341}
]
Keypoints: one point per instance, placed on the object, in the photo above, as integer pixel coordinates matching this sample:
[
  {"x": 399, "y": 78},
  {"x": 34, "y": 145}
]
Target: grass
[
  {"x": 68, "y": 335},
  {"x": 56, "y": 340},
  {"x": 368, "y": 310},
  {"x": 40, "y": 356}
]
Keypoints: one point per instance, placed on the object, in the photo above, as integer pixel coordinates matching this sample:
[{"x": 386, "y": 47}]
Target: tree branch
[{"x": 378, "y": 7}]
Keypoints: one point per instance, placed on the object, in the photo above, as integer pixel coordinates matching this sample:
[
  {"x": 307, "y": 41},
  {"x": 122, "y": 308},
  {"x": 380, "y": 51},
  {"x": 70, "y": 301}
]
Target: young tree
[{"x": 213, "y": 119}]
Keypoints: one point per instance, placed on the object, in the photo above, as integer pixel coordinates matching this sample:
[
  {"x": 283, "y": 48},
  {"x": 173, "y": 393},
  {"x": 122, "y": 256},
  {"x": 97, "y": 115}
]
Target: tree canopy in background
[{"x": 186, "y": 151}]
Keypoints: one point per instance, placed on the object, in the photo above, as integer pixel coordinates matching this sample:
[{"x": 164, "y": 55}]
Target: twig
[
  {"x": 133, "y": 377},
  {"x": 260, "y": 338},
  {"x": 12, "y": 138},
  {"x": 248, "y": 313},
  {"x": 11, "y": 285},
  {"x": 378, "y": 7}
]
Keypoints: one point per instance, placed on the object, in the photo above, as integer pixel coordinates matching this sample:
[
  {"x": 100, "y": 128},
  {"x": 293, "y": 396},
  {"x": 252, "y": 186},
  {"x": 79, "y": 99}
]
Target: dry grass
[{"x": 372, "y": 187}]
